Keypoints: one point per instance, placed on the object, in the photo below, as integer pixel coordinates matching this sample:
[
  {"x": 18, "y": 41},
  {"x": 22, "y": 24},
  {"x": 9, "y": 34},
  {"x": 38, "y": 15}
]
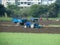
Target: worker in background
[
  {"x": 28, "y": 24},
  {"x": 41, "y": 20}
]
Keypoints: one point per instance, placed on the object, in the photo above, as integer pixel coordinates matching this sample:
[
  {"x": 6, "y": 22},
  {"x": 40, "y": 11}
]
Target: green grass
[
  {"x": 9, "y": 18},
  {"x": 29, "y": 39},
  {"x": 5, "y": 19},
  {"x": 54, "y": 18},
  {"x": 51, "y": 18}
]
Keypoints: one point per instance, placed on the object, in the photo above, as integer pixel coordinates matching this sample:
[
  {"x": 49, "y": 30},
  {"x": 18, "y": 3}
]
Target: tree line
[{"x": 50, "y": 11}]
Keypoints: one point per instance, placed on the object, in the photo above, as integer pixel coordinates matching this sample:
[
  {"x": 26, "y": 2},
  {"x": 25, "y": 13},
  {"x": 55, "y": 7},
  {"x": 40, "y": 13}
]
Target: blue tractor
[{"x": 21, "y": 21}]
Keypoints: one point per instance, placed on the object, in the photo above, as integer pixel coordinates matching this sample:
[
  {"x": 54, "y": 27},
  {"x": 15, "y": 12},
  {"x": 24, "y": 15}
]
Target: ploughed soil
[{"x": 13, "y": 28}]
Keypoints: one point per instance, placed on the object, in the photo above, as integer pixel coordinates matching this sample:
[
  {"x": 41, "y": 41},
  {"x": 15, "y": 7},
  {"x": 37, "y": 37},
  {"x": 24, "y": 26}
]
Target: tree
[
  {"x": 38, "y": 10},
  {"x": 58, "y": 4},
  {"x": 25, "y": 12},
  {"x": 13, "y": 10},
  {"x": 2, "y": 10},
  {"x": 53, "y": 10},
  {"x": 34, "y": 10}
]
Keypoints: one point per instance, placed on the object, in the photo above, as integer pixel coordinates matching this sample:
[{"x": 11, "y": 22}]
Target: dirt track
[{"x": 29, "y": 30}]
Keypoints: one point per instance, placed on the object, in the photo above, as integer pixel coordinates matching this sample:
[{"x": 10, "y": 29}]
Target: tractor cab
[{"x": 34, "y": 19}]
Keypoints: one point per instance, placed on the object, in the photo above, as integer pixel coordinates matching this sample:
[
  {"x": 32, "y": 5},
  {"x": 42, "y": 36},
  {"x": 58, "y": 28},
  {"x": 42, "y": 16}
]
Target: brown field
[{"x": 12, "y": 28}]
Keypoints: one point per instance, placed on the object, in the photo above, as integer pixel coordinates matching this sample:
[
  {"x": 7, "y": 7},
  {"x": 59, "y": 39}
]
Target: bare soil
[{"x": 29, "y": 30}]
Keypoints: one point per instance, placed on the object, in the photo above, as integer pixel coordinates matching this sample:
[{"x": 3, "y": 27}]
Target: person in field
[
  {"x": 41, "y": 20},
  {"x": 27, "y": 24}
]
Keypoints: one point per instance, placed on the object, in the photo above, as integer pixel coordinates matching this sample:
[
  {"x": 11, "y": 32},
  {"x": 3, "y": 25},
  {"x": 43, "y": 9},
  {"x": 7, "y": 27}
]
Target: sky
[{"x": 0, "y": 1}]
